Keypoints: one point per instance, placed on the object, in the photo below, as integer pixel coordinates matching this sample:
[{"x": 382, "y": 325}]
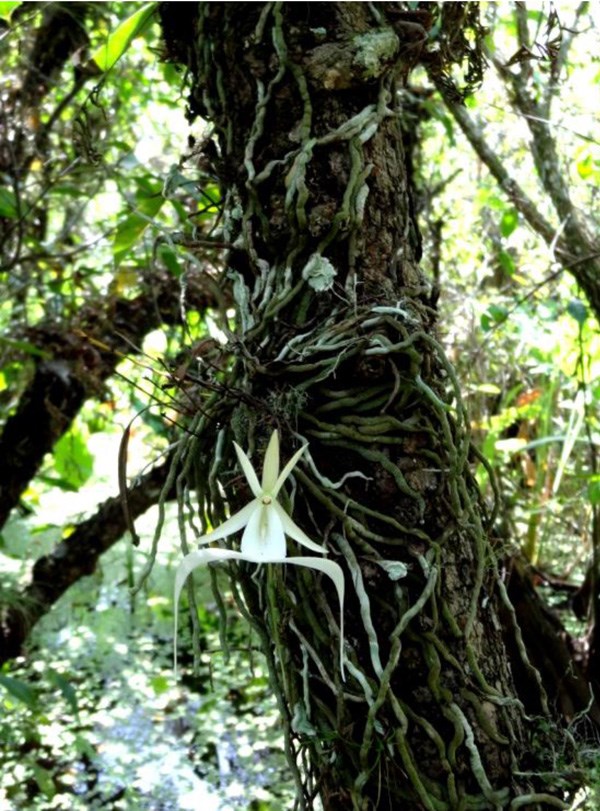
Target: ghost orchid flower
[{"x": 265, "y": 524}]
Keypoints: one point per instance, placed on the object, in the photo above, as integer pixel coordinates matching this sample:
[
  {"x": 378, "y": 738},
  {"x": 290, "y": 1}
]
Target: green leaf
[
  {"x": 488, "y": 388},
  {"x": 6, "y": 9},
  {"x": 495, "y": 314},
  {"x": 20, "y": 690},
  {"x": 24, "y": 346},
  {"x": 109, "y": 53},
  {"x": 593, "y": 490},
  {"x": 72, "y": 460},
  {"x": 56, "y": 481},
  {"x": 8, "y": 203},
  {"x": 66, "y": 688},
  {"x": 578, "y": 310},
  {"x": 43, "y": 778},
  {"x": 160, "y": 684},
  {"x": 507, "y": 262},
  {"x": 169, "y": 258},
  {"x": 509, "y": 221},
  {"x": 148, "y": 203},
  {"x": 585, "y": 167}
]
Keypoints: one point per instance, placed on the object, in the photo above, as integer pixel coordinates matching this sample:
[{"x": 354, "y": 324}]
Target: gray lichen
[{"x": 374, "y": 51}]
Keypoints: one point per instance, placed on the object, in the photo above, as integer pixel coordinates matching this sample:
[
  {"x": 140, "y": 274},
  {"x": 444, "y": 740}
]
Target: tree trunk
[{"x": 335, "y": 344}]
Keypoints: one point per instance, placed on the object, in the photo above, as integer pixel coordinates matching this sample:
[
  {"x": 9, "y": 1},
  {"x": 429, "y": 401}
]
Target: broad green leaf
[
  {"x": 495, "y": 314},
  {"x": 129, "y": 231},
  {"x": 72, "y": 460},
  {"x": 56, "y": 481},
  {"x": 6, "y": 9},
  {"x": 535, "y": 15},
  {"x": 148, "y": 202},
  {"x": 19, "y": 690},
  {"x": 8, "y": 203},
  {"x": 109, "y": 53},
  {"x": 509, "y": 221}
]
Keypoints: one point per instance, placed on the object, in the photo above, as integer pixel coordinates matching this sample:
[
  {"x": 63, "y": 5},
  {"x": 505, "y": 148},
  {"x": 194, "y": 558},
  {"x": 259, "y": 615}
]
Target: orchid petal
[
  {"x": 249, "y": 473},
  {"x": 271, "y": 464},
  {"x": 263, "y": 537},
  {"x": 287, "y": 470},
  {"x": 204, "y": 556},
  {"x": 186, "y": 567},
  {"x": 293, "y": 530},
  {"x": 237, "y": 521},
  {"x": 334, "y": 571}
]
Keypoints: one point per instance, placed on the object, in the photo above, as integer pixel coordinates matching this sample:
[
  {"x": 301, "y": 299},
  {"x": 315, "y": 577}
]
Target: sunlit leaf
[
  {"x": 72, "y": 460},
  {"x": 585, "y": 167},
  {"x": 19, "y": 690},
  {"x": 132, "y": 227},
  {"x": 7, "y": 8},
  {"x": 495, "y": 314},
  {"x": 509, "y": 221},
  {"x": 488, "y": 388},
  {"x": 43, "y": 778},
  {"x": 115, "y": 45},
  {"x": 507, "y": 262},
  {"x": 8, "y": 203},
  {"x": 593, "y": 490},
  {"x": 160, "y": 684}
]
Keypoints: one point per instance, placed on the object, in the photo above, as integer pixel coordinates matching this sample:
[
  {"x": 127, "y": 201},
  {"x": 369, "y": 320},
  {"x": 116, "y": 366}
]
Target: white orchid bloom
[{"x": 265, "y": 524}]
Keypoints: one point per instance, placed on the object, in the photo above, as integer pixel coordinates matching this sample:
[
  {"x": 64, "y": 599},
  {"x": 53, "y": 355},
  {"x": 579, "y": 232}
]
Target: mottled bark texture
[{"x": 335, "y": 345}]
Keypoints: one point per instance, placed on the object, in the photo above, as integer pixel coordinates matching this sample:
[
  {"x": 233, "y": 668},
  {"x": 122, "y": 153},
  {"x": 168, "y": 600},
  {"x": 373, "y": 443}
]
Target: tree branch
[
  {"x": 573, "y": 246},
  {"x": 79, "y": 361},
  {"x": 73, "y": 558}
]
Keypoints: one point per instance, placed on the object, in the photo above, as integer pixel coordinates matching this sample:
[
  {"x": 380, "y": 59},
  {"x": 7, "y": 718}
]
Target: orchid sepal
[
  {"x": 287, "y": 470},
  {"x": 237, "y": 521},
  {"x": 249, "y": 471}
]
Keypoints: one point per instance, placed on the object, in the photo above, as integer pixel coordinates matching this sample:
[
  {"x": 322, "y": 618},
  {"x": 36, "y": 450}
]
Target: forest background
[{"x": 110, "y": 235}]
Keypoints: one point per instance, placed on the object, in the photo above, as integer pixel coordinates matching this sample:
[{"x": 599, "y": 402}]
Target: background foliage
[{"x": 109, "y": 231}]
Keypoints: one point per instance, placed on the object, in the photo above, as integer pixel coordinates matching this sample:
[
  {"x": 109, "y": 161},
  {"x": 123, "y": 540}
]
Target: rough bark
[{"x": 335, "y": 344}]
